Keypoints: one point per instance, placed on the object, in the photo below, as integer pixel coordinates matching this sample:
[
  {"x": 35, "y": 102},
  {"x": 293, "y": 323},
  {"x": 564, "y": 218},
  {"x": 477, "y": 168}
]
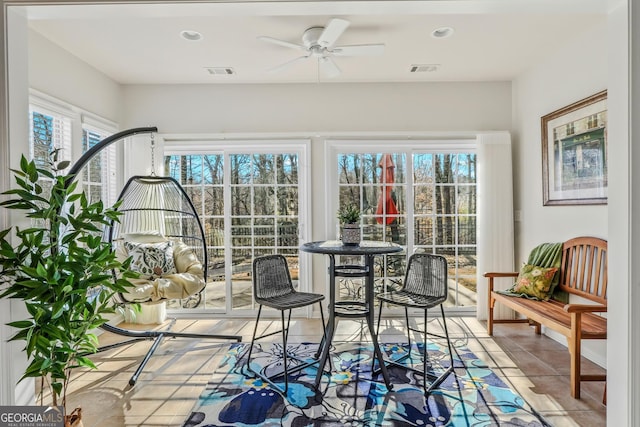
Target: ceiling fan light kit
[{"x": 319, "y": 43}]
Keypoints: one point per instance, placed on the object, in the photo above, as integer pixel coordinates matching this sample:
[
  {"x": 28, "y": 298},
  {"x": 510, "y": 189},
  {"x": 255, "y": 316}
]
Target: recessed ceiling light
[
  {"x": 191, "y": 35},
  {"x": 442, "y": 32}
]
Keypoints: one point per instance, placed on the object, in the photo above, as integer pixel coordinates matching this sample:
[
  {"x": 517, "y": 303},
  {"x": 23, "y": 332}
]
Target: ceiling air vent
[
  {"x": 220, "y": 71},
  {"x": 424, "y": 68}
]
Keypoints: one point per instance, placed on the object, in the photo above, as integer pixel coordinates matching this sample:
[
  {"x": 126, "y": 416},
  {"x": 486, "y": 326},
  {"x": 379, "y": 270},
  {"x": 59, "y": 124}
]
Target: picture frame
[{"x": 574, "y": 153}]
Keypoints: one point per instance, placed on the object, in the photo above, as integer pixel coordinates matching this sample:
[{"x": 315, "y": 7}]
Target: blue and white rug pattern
[{"x": 349, "y": 396}]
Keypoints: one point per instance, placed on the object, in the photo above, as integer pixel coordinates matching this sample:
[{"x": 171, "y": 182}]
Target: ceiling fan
[{"x": 319, "y": 42}]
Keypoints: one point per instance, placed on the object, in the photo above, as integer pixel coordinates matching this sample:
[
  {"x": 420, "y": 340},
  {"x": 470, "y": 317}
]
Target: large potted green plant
[{"x": 61, "y": 268}]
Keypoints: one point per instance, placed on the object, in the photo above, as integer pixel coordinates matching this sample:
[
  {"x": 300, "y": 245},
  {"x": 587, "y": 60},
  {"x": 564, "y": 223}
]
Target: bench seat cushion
[{"x": 551, "y": 314}]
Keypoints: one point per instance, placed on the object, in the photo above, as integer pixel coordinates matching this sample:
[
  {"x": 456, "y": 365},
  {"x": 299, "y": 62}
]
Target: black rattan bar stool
[
  {"x": 272, "y": 287},
  {"x": 425, "y": 286}
]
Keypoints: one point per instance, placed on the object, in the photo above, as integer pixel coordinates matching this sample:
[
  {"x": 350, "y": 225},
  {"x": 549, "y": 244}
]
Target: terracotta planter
[{"x": 351, "y": 234}]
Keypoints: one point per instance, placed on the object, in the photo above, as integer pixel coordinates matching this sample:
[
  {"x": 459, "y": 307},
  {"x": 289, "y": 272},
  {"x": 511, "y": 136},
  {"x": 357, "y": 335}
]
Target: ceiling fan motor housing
[{"x": 311, "y": 36}]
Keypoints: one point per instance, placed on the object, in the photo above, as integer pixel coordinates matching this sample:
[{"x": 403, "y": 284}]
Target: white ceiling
[{"x": 493, "y": 40}]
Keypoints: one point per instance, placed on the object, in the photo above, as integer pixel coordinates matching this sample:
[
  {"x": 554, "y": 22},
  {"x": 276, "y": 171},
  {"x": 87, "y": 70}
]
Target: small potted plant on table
[{"x": 349, "y": 218}]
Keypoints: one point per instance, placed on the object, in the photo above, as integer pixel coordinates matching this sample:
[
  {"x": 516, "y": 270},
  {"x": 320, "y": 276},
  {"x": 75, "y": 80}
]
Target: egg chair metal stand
[{"x": 156, "y": 207}]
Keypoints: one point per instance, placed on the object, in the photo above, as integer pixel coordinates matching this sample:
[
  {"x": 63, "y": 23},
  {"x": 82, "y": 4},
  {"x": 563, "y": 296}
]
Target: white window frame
[
  {"x": 76, "y": 120},
  {"x": 334, "y": 147},
  {"x": 61, "y": 113},
  {"x": 92, "y": 123},
  {"x": 214, "y": 144}
]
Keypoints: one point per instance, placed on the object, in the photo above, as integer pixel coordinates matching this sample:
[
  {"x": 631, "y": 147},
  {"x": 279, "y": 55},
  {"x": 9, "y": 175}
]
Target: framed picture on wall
[{"x": 574, "y": 153}]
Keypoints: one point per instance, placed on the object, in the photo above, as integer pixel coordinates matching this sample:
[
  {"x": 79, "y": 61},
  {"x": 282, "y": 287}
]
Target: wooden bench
[{"x": 583, "y": 273}]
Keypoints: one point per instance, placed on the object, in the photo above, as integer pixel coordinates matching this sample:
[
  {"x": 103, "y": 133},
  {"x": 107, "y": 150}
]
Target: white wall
[
  {"x": 58, "y": 73},
  {"x": 558, "y": 81},
  {"x": 18, "y": 130},
  {"x": 319, "y": 107},
  {"x": 623, "y": 336},
  {"x": 554, "y": 83}
]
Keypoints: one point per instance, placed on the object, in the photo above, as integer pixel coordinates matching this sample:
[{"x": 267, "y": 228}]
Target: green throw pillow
[{"x": 534, "y": 281}]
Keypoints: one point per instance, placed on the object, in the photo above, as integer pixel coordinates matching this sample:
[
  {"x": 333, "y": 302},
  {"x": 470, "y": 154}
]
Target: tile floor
[{"x": 168, "y": 388}]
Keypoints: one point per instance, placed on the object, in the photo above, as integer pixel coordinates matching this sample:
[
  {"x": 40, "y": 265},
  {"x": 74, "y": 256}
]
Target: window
[
  {"x": 248, "y": 199},
  {"x": 49, "y": 131},
  {"x": 421, "y": 196},
  {"x": 56, "y": 125},
  {"x": 98, "y": 176},
  {"x": 202, "y": 177},
  {"x": 444, "y": 216}
]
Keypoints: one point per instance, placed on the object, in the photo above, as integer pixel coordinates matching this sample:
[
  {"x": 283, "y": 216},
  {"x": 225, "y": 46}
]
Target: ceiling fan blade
[
  {"x": 332, "y": 31},
  {"x": 328, "y": 67},
  {"x": 288, "y": 64},
  {"x": 358, "y": 50},
  {"x": 282, "y": 43}
]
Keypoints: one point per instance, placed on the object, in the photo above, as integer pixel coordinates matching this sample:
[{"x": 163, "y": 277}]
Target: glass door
[{"x": 249, "y": 200}]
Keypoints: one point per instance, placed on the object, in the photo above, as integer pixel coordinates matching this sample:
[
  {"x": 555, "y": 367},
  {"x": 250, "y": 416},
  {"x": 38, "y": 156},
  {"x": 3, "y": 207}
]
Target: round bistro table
[{"x": 351, "y": 309}]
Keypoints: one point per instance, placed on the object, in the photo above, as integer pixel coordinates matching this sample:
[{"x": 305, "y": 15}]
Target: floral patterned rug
[{"x": 474, "y": 396}]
